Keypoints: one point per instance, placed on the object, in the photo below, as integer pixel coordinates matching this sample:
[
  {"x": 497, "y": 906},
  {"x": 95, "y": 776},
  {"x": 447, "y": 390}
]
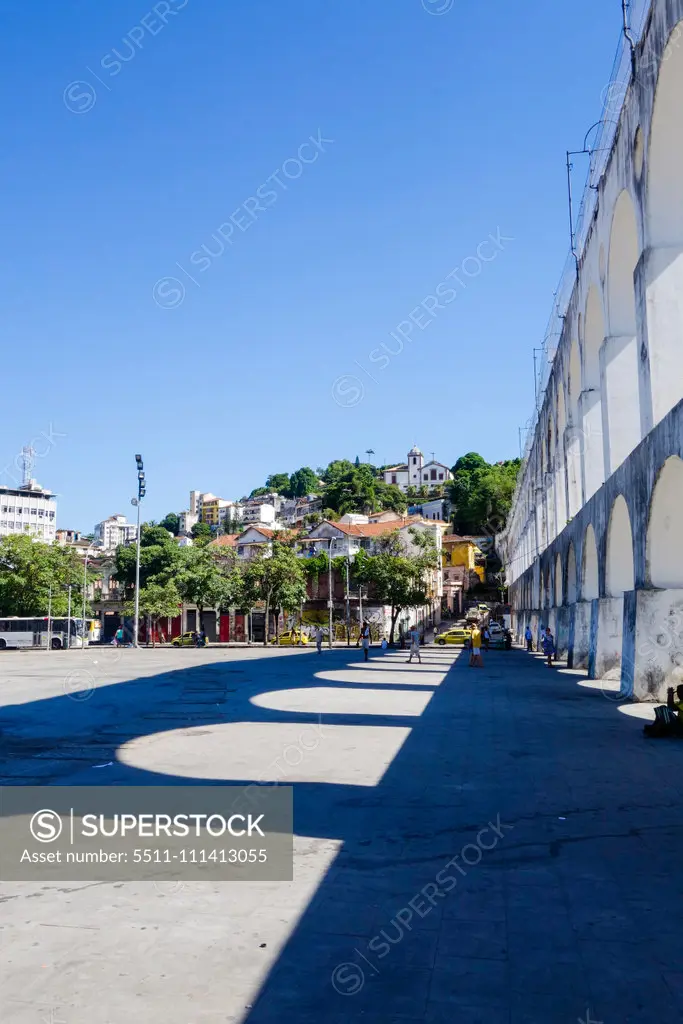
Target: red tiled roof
[
  {"x": 225, "y": 540},
  {"x": 375, "y": 529}
]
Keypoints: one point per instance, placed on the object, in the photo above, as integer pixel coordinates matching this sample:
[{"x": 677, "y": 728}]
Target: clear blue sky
[{"x": 445, "y": 128}]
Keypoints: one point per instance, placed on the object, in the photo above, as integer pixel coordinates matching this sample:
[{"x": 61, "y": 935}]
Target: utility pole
[
  {"x": 348, "y": 597},
  {"x": 330, "y": 602},
  {"x": 136, "y": 502}
]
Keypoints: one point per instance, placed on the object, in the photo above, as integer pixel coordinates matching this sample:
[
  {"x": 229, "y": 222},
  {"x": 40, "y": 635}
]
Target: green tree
[
  {"x": 280, "y": 483},
  {"x": 336, "y": 469},
  {"x": 202, "y": 533},
  {"x": 258, "y": 491},
  {"x": 30, "y": 569},
  {"x": 398, "y": 581},
  {"x": 159, "y": 558},
  {"x": 303, "y": 481},
  {"x": 157, "y": 601},
  {"x": 482, "y": 493},
  {"x": 171, "y": 522},
  {"x": 206, "y": 579},
  {"x": 278, "y": 580}
]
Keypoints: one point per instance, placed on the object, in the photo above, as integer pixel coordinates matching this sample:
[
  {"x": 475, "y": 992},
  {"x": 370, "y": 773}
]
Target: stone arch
[
  {"x": 590, "y": 580},
  {"x": 571, "y": 576},
  {"x": 624, "y": 252},
  {"x": 561, "y": 468},
  {"x": 665, "y": 163},
  {"x": 591, "y": 397},
  {"x": 574, "y": 381},
  {"x": 662, "y": 271},
  {"x": 558, "y": 582},
  {"x": 573, "y": 446},
  {"x": 619, "y": 572},
  {"x": 664, "y": 547},
  {"x": 621, "y": 350}
]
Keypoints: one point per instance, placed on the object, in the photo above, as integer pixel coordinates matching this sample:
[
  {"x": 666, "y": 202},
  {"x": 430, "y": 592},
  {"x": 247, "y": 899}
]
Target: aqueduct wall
[{"x": 594, "y": 543}]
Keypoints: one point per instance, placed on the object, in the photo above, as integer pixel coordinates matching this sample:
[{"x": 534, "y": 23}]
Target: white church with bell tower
[{"x": 418, "y": 473}]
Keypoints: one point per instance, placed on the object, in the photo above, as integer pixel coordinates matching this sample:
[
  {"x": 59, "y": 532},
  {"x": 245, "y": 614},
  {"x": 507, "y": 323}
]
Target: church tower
[{"x": 415, "y": 463}]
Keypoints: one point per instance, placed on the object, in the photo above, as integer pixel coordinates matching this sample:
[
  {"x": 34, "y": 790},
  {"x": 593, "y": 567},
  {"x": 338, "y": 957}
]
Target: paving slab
[{"x": 486, "y": 847}]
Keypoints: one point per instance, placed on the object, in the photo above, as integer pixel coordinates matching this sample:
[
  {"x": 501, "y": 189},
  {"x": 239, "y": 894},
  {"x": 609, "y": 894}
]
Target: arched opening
[
  {"x": 591, "y": 397},
  {"x": 590, "y": 586},
  {"x": 558, "y": 582},
  {"x": 665, "y": 164},
  {"x": 619, "y": 564},
  {"x": 664, "y": 264},
  {"x": 571, "y": 576},
  {"x": 621, "y": 354},
  {"x": 664, "y": 546},
  {"x": 560, "y": 463},
  {"x": 573, "y": 445}
]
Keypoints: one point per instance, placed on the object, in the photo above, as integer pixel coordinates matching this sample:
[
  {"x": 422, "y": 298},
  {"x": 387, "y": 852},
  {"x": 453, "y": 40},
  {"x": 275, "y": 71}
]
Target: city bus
[{"x": 38, "y": 631}]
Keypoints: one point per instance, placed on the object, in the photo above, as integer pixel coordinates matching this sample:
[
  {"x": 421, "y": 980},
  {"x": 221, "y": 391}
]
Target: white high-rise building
[
  {"x": 29, "y": 510},
  {"x": 114, "y": 531}
]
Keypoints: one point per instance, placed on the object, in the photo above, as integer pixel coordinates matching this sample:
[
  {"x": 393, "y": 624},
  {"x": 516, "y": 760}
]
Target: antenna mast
[{"x": 28, "y": 459}]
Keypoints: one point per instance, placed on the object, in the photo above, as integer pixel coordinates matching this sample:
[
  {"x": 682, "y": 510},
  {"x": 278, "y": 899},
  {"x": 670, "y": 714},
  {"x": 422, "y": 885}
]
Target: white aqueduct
[{"x": 594, "y": 542}]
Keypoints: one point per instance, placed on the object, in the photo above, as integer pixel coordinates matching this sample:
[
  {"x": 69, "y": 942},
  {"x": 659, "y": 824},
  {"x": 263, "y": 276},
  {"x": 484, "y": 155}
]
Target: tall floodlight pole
[
  {"x": 136, "y": 502},
  {"x": 85, "y": 584}
]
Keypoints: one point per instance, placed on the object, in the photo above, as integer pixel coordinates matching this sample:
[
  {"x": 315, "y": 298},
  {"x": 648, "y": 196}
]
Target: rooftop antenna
[{"x": 28, "y": 458}]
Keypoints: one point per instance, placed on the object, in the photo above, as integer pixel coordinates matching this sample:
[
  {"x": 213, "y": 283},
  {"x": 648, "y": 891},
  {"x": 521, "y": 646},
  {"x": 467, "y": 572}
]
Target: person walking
[
  {"x": 549, "y": 646},
  {"x": 319, "y": 639},
  {"x": 365, "y": 639},
  {"x": 486, "y": 636},
  {"x": 414, "y": 636},
  {"x": 118, "y": 636},
  {"x": 476, "y": 660},
  {"x": 529, "y": 637}
]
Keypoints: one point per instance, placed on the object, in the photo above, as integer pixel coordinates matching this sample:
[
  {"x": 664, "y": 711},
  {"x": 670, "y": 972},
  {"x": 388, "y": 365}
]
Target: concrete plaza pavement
[{"x": 471, "y": 846}]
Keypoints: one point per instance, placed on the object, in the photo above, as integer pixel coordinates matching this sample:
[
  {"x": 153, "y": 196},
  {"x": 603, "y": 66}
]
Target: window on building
[
  {"x": 440, "y": 476},
  {"x": 52, "y": 515},
  {"x": 414, "y": 460},
  {"x": 432, "y": 474},
  {"x": 394, "y": 478}
]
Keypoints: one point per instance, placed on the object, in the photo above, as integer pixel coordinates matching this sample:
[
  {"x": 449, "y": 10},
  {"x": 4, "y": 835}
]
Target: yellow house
[{"x": 463, "y": 551}]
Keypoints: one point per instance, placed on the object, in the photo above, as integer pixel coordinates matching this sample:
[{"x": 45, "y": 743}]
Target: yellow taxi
[
  {"x": 187, "y": 640},
  {"x": 458, "y": 635},
  {"x": 290, "y": 638}
]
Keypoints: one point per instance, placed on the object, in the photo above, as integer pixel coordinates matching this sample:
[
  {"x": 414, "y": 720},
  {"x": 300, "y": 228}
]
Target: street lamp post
[{"x": 136, "y": 502}]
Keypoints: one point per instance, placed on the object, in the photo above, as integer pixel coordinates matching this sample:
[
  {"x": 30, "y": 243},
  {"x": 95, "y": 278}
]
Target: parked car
[
  {"x": 496, "y": 630},
  {"x": 458, "y": 635},
  {"x": 187, "y": 640},
  {"x": 290, "y": 638}
]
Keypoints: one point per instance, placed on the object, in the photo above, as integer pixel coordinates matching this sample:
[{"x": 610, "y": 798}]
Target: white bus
[{"x": 16, "y": 632}]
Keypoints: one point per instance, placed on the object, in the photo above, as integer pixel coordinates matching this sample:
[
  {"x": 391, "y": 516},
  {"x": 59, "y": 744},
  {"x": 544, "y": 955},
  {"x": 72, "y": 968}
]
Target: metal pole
[
  {"x": 348, "y": 604},
  {"x": 85, "y": 584},
  {"x": 137, "y": 583},
  {"x": 330, "y": 603},
  {"x": 68, "y": 622},
  {"x": 49, "y": 619},
  {"x": 360, "y": 603}
]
